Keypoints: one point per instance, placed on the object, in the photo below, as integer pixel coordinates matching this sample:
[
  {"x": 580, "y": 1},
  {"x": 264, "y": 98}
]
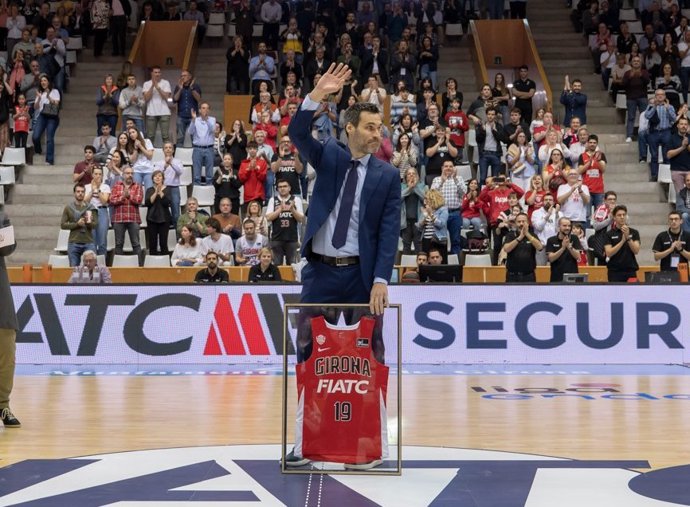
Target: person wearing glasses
[{"x": 672, "y": 246}]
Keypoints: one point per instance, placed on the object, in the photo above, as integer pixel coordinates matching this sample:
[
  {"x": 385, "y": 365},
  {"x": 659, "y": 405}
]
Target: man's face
[
  {"x": 259, "y": 137},
  {"x": 88, "y": 155},
  {"x": 523, "y": 74},
  {"x": 422, "y": 259},
  {"x": 687, "y": 181},
  {"x": 448, "y": 169},
  {"x": 592, "y": 145},
  {"x": 514, "y": 117},
  {"x": 565, "y": 227},
  {"x": 435, "y": 258},
  {"x": 660, "y": 97},
  {"x": 203, "y": 109},
  {"x": 284, "y": 189},
  {"x": 292, "y": 109},
  {"x": 212, "y": 260},
  {"x": 131, "y": 81},
  {"x": 548, "y": 201},
  {"x": 156, "y": 74},
  {"x": 433, "y": 112},
  {"x": 105, "y": 130},
  {"x": 250, "y": 230},
  {"x": 79, "y": 194},
  {"x": 635, "y": 63},
  {"x": 683, "y": 127},
  {"x": 185, "y": 76},
  {"x": 129, "y": 176},
  {"x": 674, "y": 222},
  {"x": 89, "y": 261},
  {"x": 50, "y": 33},
  {"x": 575, "y": 124},
  {"x": 582, "y": 135},
  {"x": 486, "y": 92},
  {"x": 366, "y": 136},
  {"x": 577, "y": 87},
  {"x": 621, "y": 217},
  {"x": 262, "y": 48},
  {"x": 490, "y": 116},
  {"x": 225, "y": 207},
  {"x": 521, "y": 221}
]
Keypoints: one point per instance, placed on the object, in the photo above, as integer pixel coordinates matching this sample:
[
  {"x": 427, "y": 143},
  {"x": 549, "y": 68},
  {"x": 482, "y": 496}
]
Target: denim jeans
[
  {"x": 269, "y": 184},
  {"x": 486, "y": 159},
  {"x": 658, "y": 139},
  {"x": 182, "y": 126},
  {"x": 685, "y": 80},
  {"x": 202, "y": 157},
  {"x": 686, "y": 222},
  {"x": 75, "y": 251},
  {"x": 633, "y": 104},
  {"x": 144, "y": 179},
  {"x": 132, "y": 229},
  {"x": 174, "y": 204},
  {"x": 642, "y": 144},
  {"x": 476, "y": 222},
  {"x": 100, "y": 234},
  {"x": 454, "y": 225},
  {"x": 49, "y": 125}
]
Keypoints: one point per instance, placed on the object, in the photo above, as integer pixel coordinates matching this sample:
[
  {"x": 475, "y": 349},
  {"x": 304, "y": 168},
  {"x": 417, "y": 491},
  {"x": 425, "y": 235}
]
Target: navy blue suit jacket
[{"x": 379, "y": 208}]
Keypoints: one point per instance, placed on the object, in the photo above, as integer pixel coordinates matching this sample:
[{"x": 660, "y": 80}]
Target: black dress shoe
[{"x": 8, "y": 418}]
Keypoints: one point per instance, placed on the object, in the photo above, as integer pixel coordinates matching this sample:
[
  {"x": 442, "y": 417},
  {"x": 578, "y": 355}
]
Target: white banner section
[{"x": 193, "y": 324}]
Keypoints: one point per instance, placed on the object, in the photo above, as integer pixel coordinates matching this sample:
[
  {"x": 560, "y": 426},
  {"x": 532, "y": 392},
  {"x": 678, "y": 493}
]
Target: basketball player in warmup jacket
[{"x": 352, "y": 231}]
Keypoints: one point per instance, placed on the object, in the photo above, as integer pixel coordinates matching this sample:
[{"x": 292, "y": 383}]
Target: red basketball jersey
[{"x": 341, "y": 390}]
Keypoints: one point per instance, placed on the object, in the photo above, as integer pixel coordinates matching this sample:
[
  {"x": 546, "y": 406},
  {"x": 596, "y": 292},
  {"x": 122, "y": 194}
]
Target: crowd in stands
[{"x": 530, "y": 168}]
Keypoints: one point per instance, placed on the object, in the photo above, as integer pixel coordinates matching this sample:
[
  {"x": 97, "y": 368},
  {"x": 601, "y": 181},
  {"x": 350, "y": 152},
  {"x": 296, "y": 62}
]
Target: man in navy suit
[{"x": 353, "y": 219}]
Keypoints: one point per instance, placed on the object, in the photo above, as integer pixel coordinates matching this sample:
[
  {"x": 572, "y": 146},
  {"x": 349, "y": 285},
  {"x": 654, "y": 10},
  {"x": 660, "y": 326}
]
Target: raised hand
[{"x": 331, "y": 81}]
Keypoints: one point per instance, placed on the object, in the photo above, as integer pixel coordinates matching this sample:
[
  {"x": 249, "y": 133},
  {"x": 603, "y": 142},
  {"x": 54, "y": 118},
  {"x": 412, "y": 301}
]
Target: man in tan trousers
[{"x": 8, "y": 333}]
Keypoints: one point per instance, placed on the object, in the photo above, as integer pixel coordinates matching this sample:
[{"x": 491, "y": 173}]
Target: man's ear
[{"x": 349, "y": 128}]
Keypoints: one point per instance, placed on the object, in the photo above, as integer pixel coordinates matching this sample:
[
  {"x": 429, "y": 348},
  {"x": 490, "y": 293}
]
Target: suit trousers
[
  {"x": 7, "y": 362},
  {"x": 324, "y": 284}
]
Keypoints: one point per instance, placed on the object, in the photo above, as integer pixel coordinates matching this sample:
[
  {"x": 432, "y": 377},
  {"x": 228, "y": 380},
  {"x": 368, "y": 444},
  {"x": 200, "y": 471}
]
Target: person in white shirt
[
  {"x": 574, "y": 199},
  {"x": 217, "y": 242},
  {"x": 545, "y": 224},
  {"x": 188, "y": 250},
  {"x": 98, "y": 194},
  {"x": 248, "y": 246},
  {"x": 157, "y": 91}
]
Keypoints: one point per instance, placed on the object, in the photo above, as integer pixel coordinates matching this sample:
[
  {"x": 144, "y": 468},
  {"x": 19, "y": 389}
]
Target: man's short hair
[
  {"x": 516, "y": 110},
  {"x": 674, "y": 212},
  {"x": 434, "y": 249},
  {"x": 76, "y": 186},
  {"x": 354, "y": 112},
  {"x": 683, "y": 118},
  {"x": 248, "y": 221},
  {"x": 618, "y": 208},
  {"x": 491, "y": 108},
  {"x": 593, "y": 137},
  {"x": 225, "y": 199},
  {"x": 564, "y": 218},
  {"x": 524, "y": 67},
  {"x": 90, "y": 147},
  {"x": 213, "y": 222},
  {"x": 252, "y": 144},
  {"x": 210, "y": 252},
  {"x": 610, "y": 193},
  {"x": 577, "y": 81}
]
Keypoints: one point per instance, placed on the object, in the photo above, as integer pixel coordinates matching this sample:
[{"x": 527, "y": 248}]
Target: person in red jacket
[
  {"x": 458, "y": 123},
  {"x": 494, "y": 197},
  {"x": 253, "y": 175}
]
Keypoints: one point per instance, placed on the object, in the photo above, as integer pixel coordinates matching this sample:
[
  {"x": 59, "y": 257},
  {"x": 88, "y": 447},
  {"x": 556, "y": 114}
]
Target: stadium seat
[
  {"x": 664, "y": 173},
  {"x": 184, "y": 155},
  {"x": 74, "y": 44},
  {"x": 157, "y": 155},
  {"x": 157, "y": 261},
  {"x": 408, "y": 260},
  {"x": 62, "y": 240},
  {"x": 125, "y": 261},
  {"x": 216, "y": 18},
  {"x": 453, "y": 259},
  {"x": 14, "y": 156},
  {"x": 186, "y": 177},
  {"x": 58, "y": 261},
  {"x": 465, "y": 172},
  {"x": 215, "y": 31},
  {"x": 143, "y": 210},
  {"x": 205, "y": 194},
  {"x": 478, "y": 260},
  {"x": 635, "y": 27},
  {"x": 628, "y": 15},
  {"x": 7, "y": 176}
]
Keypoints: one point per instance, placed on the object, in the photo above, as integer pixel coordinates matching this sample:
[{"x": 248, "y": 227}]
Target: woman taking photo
[
  {"x": 158, "y": 216},
  {"x": 47, "y": 107}
]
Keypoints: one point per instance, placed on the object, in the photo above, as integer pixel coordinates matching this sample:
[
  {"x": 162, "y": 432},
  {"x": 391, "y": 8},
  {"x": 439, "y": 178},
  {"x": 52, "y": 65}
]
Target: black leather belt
[
  {"x": 336, "y": 262},
  {"x": 199, "y": 146}
]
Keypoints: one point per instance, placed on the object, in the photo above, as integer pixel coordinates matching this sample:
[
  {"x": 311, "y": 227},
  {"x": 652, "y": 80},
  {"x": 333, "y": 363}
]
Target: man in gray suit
[{"x": 8, "y": 333}]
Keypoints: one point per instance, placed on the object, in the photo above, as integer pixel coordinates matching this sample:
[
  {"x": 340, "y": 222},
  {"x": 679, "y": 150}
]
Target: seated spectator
[
  {"x": 607, "y": 60},
  {"x": 435, "y": 257},
  {"x": 248, "y": 247},
  {"x": 683, "y": 203},
  {"x": 521, "y": 161},
  {"x": 90, "y": 272},
  {"x": 578, "y": 147},
  {"x": 598, "y": 45},
  {"x": 552, "y": 142},
  {"x": 265, "y": 270},
  {"x": 211, "y": 273},
  {"x": 193, "y": 219},
  {"x": 269, "y": 128},
  {"x": 217, "y": 242},
  {"x": 229, "y": 221},
  {"x": 83, "y": 170},
  {"x": 412, "y": 194},
  {"x": 253, "y": 213},
  {"x": 574, "y": 198},
  {"x": 433, "y": 223},
  {"x": 265, "y": 104},
  {"x": 187, "y": 251},
  {"x": 579, "y": 232},
  {"x": 471, "y": 207}
]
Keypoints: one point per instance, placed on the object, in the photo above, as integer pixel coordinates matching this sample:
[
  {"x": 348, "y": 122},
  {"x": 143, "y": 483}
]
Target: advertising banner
[{"x": 464, "y": 324}]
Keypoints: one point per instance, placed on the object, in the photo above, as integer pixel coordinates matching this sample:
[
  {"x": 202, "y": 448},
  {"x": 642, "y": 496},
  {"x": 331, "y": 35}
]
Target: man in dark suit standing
[
  {"x": 353, "y": 219},
  {"x": 8, "y": 332}
]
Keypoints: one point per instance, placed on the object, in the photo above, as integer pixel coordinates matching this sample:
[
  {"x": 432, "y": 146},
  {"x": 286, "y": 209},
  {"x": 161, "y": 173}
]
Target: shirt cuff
[
  {"x": 309, "y": 105},
  {"x": 380, "y": 280}
]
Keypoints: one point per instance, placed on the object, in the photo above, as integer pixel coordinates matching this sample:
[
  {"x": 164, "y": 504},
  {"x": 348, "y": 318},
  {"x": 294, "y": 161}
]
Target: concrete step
[
  {"x": 54, "y": 188},
  {"x": 42, "y": 232},
  {"x": 29, "y": 211},
  {"x": 46, "y": 198},
  {"x": 40, "y": 180},
  {"x": 24, "y": 256}
]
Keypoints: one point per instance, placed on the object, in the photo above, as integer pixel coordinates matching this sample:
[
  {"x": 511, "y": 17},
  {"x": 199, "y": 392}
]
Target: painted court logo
[{"x": 250, "y": 475}]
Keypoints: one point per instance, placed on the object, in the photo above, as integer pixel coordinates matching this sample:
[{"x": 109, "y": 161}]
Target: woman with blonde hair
[
  {"x": 433, "y": 224},
  {"x": 521, "y": 161}
]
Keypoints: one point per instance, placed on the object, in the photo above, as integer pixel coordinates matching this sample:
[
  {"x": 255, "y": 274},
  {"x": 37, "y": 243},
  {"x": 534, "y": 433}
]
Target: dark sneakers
[
  {"x": 363, "y": 466},
  {"x": 295, "y": 461},
  {"x": 8, "y": 418}
]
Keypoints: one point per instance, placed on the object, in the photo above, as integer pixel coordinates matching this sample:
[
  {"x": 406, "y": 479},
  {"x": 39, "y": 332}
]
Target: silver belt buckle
[{"x": 340, "y": 262}]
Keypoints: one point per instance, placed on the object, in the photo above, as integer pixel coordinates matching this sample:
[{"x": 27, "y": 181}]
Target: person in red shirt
[
  {"x": 591, "y": 165},
  {"x": 21, "y": 122},
  {"x": 285, "y": 120},
  {"x": 83, "y": 170},
  {"x": 494, "y": 197},
  {"x": 539, "y": 135},
  {"x": 471, "y": 206},
  {"x": 271, "y": 130},
  {"x": 534, "y": 197},
  {"x": 458, "y": 123},
  {"x": 253, "y": 175}
]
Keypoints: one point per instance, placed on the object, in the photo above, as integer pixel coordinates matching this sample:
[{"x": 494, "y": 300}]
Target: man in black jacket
[{"x": 490, "y": 135}]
